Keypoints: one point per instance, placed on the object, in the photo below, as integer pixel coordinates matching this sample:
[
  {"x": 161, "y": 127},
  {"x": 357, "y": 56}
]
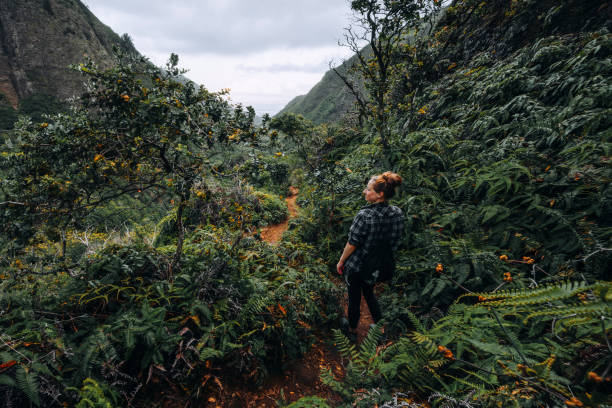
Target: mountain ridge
[
  {"x": 327, "y": 101},
  {"x": 40, "y": 39}
]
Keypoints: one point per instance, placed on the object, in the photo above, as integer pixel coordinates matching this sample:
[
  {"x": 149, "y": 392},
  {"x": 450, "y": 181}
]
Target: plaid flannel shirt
[{"x": 373, "y": 224}]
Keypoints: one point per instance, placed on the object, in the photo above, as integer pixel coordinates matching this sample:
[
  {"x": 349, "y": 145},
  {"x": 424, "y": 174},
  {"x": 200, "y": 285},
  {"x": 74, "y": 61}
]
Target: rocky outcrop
[{"x": 39, "y": 39}]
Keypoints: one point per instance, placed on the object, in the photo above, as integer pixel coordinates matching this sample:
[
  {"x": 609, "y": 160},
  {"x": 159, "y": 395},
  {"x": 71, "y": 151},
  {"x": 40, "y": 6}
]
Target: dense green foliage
[
  {"x": 116, "y": 313},
  {"x": 505, "y": 159},
  {"x": 8, "y": 115},
  {"x": 36, "y": 106},
  {"x": 502, "y": 294}
]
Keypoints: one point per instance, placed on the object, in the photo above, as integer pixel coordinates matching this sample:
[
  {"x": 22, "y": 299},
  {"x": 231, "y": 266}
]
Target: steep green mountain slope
[
  {"x": 40, "y": 38},
  {"x": 500, "y": 127},
  {"x": 327, "y": 101}
]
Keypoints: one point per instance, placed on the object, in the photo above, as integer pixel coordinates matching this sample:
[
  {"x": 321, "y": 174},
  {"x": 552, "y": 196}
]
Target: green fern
[
  {"x": 365, "y": 367},
  {"x": 92, "y": 396},
  {"x": 207, "y": 353},
  {"x": 28, "y": 384},
  {"x": 346, "y": 348},
  {"x": 593, "y": 310},
  {"x": 309, "y": 402},
  {"x": 524, "y": 297}
]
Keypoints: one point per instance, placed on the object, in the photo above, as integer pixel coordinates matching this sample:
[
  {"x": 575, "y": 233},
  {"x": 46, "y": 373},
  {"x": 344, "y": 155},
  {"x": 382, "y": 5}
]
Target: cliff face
[{"x": 40, "y": 38}]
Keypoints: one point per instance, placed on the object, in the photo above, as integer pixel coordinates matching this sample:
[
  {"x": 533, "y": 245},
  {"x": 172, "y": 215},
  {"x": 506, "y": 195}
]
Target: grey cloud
[
  {"x": 226, "y": 26},
  {"x": 275, "y": 68}
]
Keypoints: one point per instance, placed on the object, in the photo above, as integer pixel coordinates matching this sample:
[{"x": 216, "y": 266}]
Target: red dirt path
[
  {"x": 301, "y": 377},
  {"x": 273, "y": 233}
]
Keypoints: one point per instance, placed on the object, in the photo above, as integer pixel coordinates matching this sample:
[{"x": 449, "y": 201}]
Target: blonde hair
[{"x": 386, "y": 183}]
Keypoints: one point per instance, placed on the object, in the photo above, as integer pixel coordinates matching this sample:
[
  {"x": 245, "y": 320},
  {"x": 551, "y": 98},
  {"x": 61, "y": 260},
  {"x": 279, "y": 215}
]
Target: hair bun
[
  {"x": 387, "y": 183},
  {"x": 393, "y": 179}
]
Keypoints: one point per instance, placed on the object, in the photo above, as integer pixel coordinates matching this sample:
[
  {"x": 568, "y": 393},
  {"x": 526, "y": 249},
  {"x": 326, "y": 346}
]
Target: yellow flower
[
  {"x": 503, "y": 258},
  {"x": 439, "y": 268},
  {"x": 98, "y": 157}
]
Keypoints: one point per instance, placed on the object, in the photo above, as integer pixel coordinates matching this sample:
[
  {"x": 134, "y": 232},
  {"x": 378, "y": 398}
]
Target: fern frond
[
  {"x": 424, "y": 341},
  {"x": 491, "y": 380},
  {"x": 255, "y": 306},
  {"x": 591, "y": 309},
  {"x": 344, "y": 346},
  {"x": 549, "y": 293},
  {"x": 471, "y": 385},
  {"x": 437, "y": 363},
  {"x": 544, "y": 368},
  {"x": 27, "y": 383},
  {"x": 416, "y": 322},
  {"x": 207, "y": 353},
  {"x": 571, "y": 322},
  {"x": 368, "y": 346}
]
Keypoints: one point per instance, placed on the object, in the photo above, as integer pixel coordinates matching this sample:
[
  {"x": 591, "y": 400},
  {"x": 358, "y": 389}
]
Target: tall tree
[
  {"x": 380, "y": 27},
  {"x": 139, "y": 128}
]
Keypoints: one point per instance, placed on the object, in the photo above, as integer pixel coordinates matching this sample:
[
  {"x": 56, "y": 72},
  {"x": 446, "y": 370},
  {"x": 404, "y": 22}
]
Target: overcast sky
[{"x": 266, "y": 51}]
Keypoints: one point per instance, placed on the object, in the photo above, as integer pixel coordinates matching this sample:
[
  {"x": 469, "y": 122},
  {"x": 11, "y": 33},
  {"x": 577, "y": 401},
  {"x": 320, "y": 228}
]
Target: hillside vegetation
[
  {"x": 133, "y": 273},
  {"x": 327, "y": 101}
]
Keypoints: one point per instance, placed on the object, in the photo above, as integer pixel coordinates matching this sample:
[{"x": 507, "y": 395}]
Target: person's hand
[{"x": 340, "y": 267}]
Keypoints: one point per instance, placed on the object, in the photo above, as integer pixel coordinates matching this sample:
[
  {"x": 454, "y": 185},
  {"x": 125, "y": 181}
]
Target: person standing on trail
[{"x": 373, "y": 238}]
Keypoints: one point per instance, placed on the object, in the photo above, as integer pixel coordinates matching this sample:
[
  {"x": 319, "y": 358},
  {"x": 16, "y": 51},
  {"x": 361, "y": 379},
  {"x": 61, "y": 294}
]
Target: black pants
[{"x": 355, "y": 287}]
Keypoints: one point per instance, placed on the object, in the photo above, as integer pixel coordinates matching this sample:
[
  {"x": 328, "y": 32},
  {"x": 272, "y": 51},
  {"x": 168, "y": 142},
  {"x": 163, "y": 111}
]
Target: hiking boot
[{"x": 345, "y": 328}]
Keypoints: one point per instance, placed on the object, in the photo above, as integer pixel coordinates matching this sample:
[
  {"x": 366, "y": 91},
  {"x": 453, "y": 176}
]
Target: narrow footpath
[
  {"x": 273, "y": 233},
  {"x": 301, "y": 377}
]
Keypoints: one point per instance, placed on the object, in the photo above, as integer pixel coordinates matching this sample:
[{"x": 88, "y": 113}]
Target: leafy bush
[
  {"x": 38, "y": 105},
  {"x": 8, "y": 115},
  {"x": 237, "y": 302},
  {"x": 270, "y": 209},
  {"x": 268, "y": 171},
  {"x": 234, "y": 206}
]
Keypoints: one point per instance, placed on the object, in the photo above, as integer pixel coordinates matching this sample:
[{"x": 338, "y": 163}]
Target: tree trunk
[
  {"x": 63, "y": 253},
  {"x": 176, "y": 262}
]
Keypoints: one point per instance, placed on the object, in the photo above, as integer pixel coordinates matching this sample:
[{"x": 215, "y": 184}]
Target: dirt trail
[
  {"x": 298, "y": 378},
  {"x": 301, "y": 377},
  {"x": 273, "y": 233}
]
